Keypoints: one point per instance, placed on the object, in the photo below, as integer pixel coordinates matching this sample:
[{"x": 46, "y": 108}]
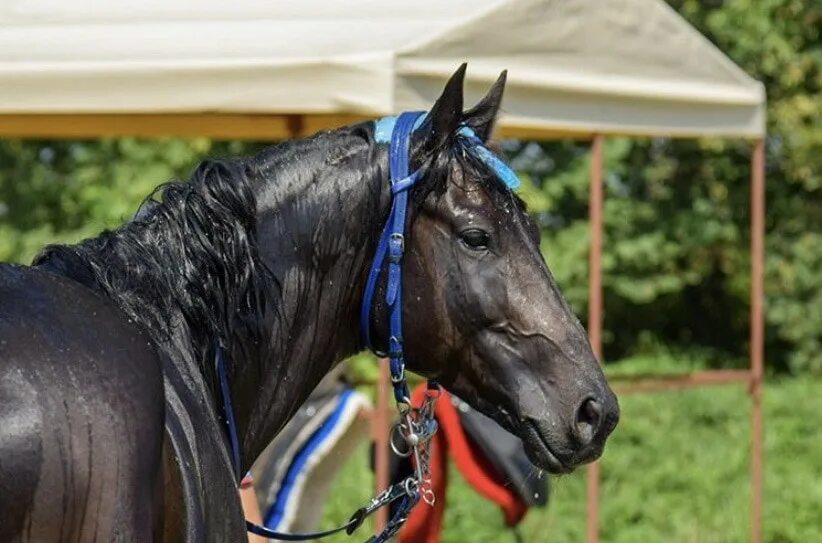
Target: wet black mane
[{"x": 190, "y": 257}]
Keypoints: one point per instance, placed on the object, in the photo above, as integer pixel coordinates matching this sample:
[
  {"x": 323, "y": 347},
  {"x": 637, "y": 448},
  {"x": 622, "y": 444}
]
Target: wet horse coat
[{"x": 110, "y": 419}]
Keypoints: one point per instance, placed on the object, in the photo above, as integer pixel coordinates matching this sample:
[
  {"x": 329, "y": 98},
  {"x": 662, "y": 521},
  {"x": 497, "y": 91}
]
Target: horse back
[{"x": 81, "y": 415}]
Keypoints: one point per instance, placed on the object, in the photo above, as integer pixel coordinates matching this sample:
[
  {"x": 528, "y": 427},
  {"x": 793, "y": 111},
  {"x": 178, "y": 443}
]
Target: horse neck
[
  {"x": 317, "y": 229},
  {"x": 187, "y": 271}
]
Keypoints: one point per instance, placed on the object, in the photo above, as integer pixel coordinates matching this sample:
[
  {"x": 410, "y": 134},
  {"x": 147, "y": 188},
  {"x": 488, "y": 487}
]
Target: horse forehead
[{"x": 465, "y": 193}]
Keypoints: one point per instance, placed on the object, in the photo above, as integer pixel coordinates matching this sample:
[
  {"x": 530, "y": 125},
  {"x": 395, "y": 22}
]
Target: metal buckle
[
  {"x": 395, "y": 349},
  {"x": 396, "y": 247},
  {"x": 400, "y": 377}
]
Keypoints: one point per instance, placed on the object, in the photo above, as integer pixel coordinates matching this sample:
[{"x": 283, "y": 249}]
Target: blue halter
[
  {"x": 397, "y": 131},
  {"x": 392, "y": 247}
]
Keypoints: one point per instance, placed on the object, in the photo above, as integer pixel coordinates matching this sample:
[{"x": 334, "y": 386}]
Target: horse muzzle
[{"x": 559, "y": 444}]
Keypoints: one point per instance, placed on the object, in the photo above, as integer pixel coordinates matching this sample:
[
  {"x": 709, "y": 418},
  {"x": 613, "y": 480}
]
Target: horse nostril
[{"x": 588, "y": 419}]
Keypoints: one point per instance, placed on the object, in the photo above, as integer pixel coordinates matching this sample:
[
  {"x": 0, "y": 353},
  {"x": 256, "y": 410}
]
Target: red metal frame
[
  {"x": 595, "y": 306},
  {"x": 381, "y": 429},
  {"x": 754, "y": 377},
  {"x": 757, "y": 332},
  {"x": 662, "y": 383}
]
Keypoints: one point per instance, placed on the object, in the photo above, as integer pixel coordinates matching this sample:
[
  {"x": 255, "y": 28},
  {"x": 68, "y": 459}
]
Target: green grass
[{"x": 676, "y": 470}]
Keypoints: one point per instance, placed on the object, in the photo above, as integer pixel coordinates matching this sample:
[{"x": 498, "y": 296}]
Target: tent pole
[
  {"x": 757, "y": 331},
  {"x": 595, "y": 308},
  {"x": 380, "y": 431}
]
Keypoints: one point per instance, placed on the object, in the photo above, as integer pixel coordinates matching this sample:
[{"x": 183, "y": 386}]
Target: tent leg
[
  {"x": 757, "y": 332},
  {"x": 595, "y": 308},
  {"x": 380, "y": 433}
]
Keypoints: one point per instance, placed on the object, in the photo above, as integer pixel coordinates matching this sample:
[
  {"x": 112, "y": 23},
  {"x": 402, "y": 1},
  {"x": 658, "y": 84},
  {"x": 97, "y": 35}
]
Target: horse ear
[
  {"x": 445, "y": 116},
  {"x": 482, "y": 116}
]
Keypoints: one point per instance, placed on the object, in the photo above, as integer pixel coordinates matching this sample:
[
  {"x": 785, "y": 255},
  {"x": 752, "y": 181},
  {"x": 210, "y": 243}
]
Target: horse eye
[{"x": 475, "y": 238}]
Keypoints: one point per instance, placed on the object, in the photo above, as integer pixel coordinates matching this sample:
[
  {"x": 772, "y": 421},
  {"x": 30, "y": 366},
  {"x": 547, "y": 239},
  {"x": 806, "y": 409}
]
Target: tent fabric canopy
[{"x": 584, "y": 66}]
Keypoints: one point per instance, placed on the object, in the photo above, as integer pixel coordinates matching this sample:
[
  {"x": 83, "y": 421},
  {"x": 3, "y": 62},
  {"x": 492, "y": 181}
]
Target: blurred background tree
[
  {"x": 676, "y": 255},
  {"x": 676, "y": 265}
]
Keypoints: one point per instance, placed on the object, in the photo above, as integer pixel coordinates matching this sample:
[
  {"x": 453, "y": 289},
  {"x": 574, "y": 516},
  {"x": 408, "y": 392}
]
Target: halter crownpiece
[{"x": 392, "y": 247}]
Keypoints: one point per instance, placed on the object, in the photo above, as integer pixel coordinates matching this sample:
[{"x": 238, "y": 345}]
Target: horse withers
[{"x": 111, "y": 408}]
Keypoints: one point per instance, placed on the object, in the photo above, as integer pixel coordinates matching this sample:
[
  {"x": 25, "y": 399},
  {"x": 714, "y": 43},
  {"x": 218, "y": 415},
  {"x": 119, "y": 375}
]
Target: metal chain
[{"x": 416, "y": 428}]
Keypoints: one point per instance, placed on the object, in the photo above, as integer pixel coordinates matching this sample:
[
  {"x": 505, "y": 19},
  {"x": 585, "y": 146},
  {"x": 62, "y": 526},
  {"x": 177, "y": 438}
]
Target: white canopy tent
[
  {"x": 255, "y": 68},
  {"x": 261, "y": 69}
]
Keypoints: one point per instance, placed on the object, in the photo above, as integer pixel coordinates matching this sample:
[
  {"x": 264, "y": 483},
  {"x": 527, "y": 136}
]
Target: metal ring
[
  {"x": 411, "y": 485},
  {"x": 402, "y": 454}
]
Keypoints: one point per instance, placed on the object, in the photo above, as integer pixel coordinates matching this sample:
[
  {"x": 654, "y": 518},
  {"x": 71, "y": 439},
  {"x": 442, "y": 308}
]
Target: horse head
[{"x": 483, "y": 314}]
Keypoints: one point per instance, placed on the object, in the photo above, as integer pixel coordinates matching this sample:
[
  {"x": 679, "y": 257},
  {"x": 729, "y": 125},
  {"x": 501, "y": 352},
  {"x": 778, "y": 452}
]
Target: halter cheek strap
[
  {"x": 397, "y": 131},
  {"x": 391, "y": 247}
]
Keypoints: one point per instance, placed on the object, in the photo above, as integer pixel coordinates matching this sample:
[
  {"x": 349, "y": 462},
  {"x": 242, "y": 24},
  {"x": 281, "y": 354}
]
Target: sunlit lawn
[{"x": 676, "y": 470}]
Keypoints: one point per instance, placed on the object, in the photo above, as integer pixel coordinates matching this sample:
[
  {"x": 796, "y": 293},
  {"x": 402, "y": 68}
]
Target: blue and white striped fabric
[{"x": 288, "y": 506}]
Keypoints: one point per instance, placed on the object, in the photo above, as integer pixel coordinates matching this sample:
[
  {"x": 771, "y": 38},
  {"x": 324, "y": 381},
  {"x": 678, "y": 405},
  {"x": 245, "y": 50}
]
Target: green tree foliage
[
  {"x": 676, "y": 259},
  {"x": 676, "y": 255},
  {"x": 59, "y": 191}
]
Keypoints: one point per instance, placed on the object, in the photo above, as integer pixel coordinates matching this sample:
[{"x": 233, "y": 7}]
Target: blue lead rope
[{"x": 228, "y": 409}]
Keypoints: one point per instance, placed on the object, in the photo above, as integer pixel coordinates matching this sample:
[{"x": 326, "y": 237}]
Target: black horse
[{"x": 110, "y": 424}]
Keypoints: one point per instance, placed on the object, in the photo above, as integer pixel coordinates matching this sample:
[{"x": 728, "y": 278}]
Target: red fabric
[{"x": 425, "y": 522}]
